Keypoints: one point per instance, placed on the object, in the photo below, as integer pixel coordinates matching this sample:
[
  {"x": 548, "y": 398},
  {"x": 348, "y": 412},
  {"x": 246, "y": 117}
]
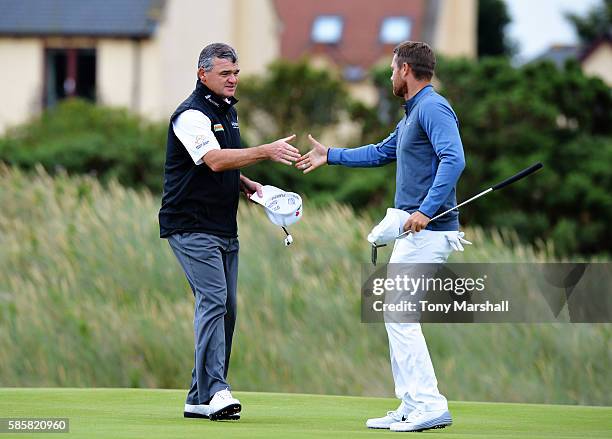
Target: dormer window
[
  {"x": 327, "y": 29},
  {"x": 394, "y": 30}
]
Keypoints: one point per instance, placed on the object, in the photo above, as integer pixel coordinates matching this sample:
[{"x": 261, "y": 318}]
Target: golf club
[{"x": 508, "y": 181}]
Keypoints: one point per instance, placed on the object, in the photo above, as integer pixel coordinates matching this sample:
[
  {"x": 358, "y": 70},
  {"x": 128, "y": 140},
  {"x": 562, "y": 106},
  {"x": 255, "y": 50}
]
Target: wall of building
[
  {"x": 599, "y": 63},
  {"x": 169, "y": 60},
  {"x": 359, "y": 44},
  {"x": 21, "y": 86},
  {"x": 256, "y": 34},
  {"x": 456, "y": 33},
  {"x": 116, "y": 72}
]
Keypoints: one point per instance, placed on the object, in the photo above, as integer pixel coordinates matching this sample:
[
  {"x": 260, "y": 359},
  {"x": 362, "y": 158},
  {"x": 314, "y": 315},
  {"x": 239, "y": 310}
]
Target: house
[
  {"x": 595, "y": 59},
  {"x": 357, "y": 34},
  {"x": 138, "y": 54},
  {"x": 141, "y": 54}
]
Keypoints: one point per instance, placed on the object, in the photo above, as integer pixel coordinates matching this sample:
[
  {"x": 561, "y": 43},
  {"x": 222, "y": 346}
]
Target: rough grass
[{"x": 91, "y": 297}]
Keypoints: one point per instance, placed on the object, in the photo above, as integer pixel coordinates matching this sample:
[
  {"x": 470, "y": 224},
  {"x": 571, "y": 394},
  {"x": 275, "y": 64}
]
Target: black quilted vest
[{"x": 195, "y": 198}]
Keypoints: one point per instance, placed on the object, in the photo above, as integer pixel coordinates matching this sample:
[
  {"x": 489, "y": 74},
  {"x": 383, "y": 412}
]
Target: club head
[{"x": 375, "y": 252}]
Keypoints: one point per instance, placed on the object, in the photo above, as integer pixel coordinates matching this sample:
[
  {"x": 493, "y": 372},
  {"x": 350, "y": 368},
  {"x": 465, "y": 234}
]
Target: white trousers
[{"x": 413, "y": 372}]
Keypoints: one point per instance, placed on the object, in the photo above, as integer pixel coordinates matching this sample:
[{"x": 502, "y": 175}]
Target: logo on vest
[
  {"x": 212, "y": 101},
  {"x": 217, "y": 127},
  {"x": 235, "y": 125}
]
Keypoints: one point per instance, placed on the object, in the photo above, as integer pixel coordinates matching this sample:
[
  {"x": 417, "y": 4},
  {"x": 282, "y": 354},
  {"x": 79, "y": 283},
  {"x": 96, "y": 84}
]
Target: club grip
[{"x": 524, "y": 173}]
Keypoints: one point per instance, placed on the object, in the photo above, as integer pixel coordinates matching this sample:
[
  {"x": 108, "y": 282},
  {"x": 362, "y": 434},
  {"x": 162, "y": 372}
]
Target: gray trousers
[{"x": 210, "y": 264}]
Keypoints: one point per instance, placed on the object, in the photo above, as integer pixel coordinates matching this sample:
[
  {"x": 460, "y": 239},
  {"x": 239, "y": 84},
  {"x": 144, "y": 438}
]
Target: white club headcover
[
  {"x": 391, "y": 226},
  {"x": 282, "y": 208}
]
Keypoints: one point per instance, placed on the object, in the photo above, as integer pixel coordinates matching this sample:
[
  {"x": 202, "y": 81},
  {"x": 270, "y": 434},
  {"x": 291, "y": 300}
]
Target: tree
[
  {"x": 291, "y": 98},
  {"x": 298, "y": 98},
  {"x": 511, "y": 117},
  {"x": 597, "y": 22},
  {"x": 493, "y": 18}
]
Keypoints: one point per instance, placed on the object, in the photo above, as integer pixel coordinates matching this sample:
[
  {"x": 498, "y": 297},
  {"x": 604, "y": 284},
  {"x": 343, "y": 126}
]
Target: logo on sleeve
[
  {"x": 217, "y": 127},
  {"x": 200, "y": 141}
]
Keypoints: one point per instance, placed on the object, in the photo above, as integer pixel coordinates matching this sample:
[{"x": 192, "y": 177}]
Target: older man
[
  {"x": 429, "y": 154},
  {"x": 202, "y": 183}
]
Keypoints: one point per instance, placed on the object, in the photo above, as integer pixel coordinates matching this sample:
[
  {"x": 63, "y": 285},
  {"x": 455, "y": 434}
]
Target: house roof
[
  {"x": 596, "y": 44},
  {"x": 112, "y": 18},
  {"x": 360, "y": 45},
  {"x": 558, "y": 54}
]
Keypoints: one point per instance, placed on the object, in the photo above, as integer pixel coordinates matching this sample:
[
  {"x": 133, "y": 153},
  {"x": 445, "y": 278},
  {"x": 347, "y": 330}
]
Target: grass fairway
[{"x": 142, "y": 413}]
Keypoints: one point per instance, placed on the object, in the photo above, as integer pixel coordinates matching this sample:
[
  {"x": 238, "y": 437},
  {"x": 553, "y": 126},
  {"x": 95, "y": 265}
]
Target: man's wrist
[
  {"x": 332, "y": 156},
  {"x": 262, "y": 152}
]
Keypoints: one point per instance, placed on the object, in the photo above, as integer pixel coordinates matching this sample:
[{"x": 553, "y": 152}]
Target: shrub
[{"x": 83, "y": 138}]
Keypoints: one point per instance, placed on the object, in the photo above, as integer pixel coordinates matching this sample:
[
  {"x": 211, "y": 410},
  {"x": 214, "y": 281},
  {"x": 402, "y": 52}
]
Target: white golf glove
[
  {"x": 456, "y": 241},
  {"x": 388, "y": 229}
]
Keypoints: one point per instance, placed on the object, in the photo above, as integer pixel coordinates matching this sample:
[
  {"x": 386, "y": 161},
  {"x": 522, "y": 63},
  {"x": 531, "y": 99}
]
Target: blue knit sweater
[{"x": 429, "y": 154}]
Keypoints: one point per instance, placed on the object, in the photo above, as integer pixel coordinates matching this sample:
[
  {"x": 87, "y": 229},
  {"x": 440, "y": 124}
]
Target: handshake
[{"x": 282, "y": 151}]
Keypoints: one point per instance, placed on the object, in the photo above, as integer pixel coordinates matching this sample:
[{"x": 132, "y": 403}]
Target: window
[
  {"x": 394, "y": 30},
  {"x": 69, "y": 72},
  {"x": 327, "y": 29},
  {"x": 354, "y": 73}
]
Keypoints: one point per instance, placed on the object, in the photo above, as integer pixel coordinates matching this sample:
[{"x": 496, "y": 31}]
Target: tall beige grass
[{"x": 90, "y": 296}]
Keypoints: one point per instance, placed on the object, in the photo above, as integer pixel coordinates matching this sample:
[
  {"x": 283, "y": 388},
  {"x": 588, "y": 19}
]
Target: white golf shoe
[
  {"x": 392, "y": 417},
  {"x": 420, "y": 421},
  {"x": 224, "y": 406},
  {"x": 196, "y": 411},
  {"x": 203, "y": 411}
]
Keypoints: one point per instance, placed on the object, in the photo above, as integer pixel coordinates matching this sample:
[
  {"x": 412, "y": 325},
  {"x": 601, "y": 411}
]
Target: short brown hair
[{"x": 418, "y": 56}]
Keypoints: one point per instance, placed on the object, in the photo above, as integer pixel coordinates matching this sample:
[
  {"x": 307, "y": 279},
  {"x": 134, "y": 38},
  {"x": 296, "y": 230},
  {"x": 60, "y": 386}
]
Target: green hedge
[{"x": 82, "y": 138}]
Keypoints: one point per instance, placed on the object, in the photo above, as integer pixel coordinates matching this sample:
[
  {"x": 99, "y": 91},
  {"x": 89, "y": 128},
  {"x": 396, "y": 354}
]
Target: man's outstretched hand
[
  {"x": 316, "y": 157},
  {"x": 281, "y": 151}
]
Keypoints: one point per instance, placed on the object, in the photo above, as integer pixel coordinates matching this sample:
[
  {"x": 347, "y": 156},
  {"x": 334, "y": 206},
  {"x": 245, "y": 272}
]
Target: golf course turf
[{"x": 148, "y": 413}]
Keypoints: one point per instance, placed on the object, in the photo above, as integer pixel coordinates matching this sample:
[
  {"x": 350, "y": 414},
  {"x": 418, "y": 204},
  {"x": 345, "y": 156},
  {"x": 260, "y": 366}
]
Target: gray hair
[{"x": 215, "y": 50}]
